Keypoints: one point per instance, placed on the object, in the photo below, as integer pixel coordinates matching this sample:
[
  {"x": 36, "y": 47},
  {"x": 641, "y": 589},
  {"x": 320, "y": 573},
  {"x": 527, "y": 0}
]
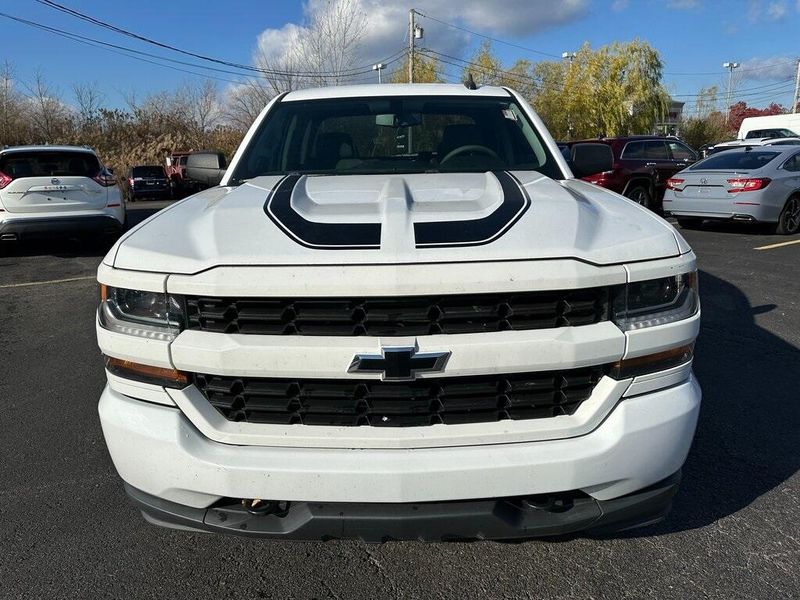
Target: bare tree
[
  {"x": 244, "y": 103},
  {"x": 11, "y": 107},
  {"x": 89, "y": 100},
  {"x": 49, "y": 116},
  {"x": 204, "y": 106},
  {"x": 330, "y": 45}
]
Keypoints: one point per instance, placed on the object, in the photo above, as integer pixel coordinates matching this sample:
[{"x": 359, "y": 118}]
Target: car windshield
[
  {"x": 765, "y": 133},
  {"x": 740, "y": 160},
  {"x": 395, "y": 135},
  {"x": 155, "y": 171},
  {"x": 46, "y": 163}
]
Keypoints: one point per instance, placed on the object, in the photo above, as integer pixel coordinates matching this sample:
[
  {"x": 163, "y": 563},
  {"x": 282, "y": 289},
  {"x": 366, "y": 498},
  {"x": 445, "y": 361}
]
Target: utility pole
[
  {"x": 796, "y": 98},
  {"x": 569, "y": 56},
  {"x": 730, "y": 66},
  {"x": 411, "y": 27}
]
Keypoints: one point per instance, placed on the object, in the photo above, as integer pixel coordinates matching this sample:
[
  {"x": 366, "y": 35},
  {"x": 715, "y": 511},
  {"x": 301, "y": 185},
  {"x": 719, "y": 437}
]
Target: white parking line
[
  {"x": 49, "y": 281},
  {"x": 780, "y": 245}
]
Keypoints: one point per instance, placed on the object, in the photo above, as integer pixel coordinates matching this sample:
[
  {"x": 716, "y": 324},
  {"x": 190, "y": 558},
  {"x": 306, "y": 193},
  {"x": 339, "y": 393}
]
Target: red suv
[{"x": 642, "y": 165}]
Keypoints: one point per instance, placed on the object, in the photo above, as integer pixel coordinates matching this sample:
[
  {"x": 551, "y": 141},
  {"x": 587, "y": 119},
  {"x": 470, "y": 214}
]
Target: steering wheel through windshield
[{"x": 467, "y": 149}]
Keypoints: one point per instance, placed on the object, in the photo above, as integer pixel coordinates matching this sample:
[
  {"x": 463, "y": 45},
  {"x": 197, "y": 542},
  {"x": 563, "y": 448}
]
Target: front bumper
[
  {"x": 158, "y": 451},
  {"x": 506, "y": 518}
]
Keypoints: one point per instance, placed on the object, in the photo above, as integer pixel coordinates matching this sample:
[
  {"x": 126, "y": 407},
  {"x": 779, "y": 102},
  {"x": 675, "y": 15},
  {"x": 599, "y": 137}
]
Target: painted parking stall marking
[{"x": 778, "y": 245}]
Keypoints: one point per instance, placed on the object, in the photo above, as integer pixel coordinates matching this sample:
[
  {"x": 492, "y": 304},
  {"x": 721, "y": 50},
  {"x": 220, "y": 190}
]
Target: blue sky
[{"x": 694, "y": 37}]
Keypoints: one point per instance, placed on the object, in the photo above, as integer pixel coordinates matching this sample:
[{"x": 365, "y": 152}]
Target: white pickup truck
[{"x": 400, "y": 316}]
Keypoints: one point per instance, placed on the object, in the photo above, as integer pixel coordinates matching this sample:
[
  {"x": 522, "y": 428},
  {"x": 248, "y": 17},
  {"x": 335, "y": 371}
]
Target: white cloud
[
  {"x": 776, "y": 10},
  {"x": 387, "y": 24},
  {"x": 758, "y": 10},
  {"x": 620, "y": 5},
  {"x": 769, "y": 69}
]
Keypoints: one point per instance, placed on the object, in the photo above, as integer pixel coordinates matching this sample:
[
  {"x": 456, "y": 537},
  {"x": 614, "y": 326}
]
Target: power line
[
  {"x": 89, "y": 19},
  {"x": 129, "y": 53},
  {"x": 741, "y": 70},
  {"x": 487, "y": 37},
  {"x": 460, "y": 62},
  {"x": 138, "y": 54}
]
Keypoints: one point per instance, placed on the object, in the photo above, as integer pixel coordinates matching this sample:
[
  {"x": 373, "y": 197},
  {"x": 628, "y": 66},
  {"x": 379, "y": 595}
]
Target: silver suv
[{"x": 47, "y": 190}]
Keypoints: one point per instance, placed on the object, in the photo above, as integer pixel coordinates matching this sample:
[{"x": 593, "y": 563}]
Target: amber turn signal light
[
  {"x": 147, "y": 373},
  {"x": 652, "y": 363}
]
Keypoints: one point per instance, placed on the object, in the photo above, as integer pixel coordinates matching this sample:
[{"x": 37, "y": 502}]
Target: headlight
[
  {"x": 656, "y": 301},
  {"x": 153, "y": 315}
]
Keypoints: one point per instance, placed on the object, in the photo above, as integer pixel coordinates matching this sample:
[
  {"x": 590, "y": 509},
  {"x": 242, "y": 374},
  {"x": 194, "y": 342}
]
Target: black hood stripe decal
[
  {"x": 324, "y": 236},
  {"x": 477, "y": 231},
  {"x": 367, "y": 236}
]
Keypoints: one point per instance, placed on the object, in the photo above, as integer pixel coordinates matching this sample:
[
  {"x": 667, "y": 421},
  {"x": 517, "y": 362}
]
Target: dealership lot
[{"x": 68, "y": 531}]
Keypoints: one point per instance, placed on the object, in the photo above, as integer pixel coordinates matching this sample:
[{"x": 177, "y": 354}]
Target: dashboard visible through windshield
[{"x": 385, "y": 135}]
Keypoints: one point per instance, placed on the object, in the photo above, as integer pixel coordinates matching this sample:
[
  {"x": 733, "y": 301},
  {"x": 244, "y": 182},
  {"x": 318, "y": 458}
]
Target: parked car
[
  {"x": 756, "y": 185},
  {"x": 148, "y": 181},
  {"x": 752, "y": 143},
  {"x": 175, "y": 167},
  {"x": 47, "y": 190},
  {"x": 642, "y": 165},
  {"x": 400, "y": 316}
]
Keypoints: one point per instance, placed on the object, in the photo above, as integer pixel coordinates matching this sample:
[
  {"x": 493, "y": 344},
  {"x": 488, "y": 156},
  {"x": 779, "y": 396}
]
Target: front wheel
[
  {"x": 640, "y": 195},
  {"x": 789, "y": 221}
]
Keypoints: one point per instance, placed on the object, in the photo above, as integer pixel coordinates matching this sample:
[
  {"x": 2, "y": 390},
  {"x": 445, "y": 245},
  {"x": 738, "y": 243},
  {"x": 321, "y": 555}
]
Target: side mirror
[
  {"x": 207, "y": 168},
  {"x": 591, "y": 158}
]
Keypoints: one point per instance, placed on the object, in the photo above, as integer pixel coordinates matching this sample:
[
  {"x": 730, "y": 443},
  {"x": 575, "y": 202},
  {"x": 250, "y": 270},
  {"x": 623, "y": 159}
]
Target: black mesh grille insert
[
  {"x": 408, "y": 315},
  {"x": 349, "y": 402}
]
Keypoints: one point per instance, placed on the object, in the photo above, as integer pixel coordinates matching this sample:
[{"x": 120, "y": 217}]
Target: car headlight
[
  {"x": 656, "y": 301},
  {"x": 152, "y": 315}
]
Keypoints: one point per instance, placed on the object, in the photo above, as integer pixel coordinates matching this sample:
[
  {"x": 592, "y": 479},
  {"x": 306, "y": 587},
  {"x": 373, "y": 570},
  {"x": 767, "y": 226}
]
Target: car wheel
[
  {"x": 689, "y": 222},
  {"x": 640, "y": 195},
  {"x": 789, "y": 221}
]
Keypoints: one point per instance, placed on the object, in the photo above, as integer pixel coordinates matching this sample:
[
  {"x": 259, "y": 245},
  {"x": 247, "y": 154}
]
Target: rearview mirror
[
  {"x": 590, "y": 158},
  {"x": 401, "y": 120},
  {"x": 206, "y": 167}
]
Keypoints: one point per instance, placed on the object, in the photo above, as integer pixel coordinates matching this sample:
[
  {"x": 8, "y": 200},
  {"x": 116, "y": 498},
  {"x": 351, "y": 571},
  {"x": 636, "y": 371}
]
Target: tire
[
  {"x": 789, "y": 221},
  {"x": 689, "y": 222},
  {"x": 640, "y": 195}
]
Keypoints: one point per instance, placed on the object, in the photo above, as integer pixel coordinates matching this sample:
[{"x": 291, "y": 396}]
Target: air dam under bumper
[{"x": 506, "y": 518}]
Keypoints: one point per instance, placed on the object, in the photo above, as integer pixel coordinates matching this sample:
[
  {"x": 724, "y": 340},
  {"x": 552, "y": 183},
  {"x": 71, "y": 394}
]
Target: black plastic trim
[
  {"x": 497, "y": 518},
  {"x": 24, "y": 227}
]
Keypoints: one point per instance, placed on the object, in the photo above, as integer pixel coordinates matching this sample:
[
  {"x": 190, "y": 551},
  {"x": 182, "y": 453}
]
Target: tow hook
[{"x": 257, "y": 506}]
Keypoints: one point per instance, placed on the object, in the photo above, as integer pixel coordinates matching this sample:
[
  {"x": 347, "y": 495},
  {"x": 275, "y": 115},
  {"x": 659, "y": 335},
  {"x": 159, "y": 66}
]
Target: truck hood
[{"x": 394, "y": 219}]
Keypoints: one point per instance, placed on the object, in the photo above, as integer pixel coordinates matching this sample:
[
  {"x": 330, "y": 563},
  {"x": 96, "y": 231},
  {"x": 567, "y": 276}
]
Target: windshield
[
  {"x": 748, "y": 160},
  {"x": 770, "y": 133},
  {"x": 148, "y": 171},
  {"x": 47, "y": 163},
  {"x": 395, "y": 135}
]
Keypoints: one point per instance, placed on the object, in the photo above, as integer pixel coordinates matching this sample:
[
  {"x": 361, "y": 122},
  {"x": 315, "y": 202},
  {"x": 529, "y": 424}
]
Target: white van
[{"x": 772, "y": 126}]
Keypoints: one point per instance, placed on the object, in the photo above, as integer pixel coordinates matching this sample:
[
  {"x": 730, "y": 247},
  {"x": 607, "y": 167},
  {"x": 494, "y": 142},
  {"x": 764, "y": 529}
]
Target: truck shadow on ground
[{"x": 746, "y": 441}]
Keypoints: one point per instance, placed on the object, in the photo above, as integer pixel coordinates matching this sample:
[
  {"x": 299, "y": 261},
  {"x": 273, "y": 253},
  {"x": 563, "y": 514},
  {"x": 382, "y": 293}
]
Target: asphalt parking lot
[{"x": 67, "y": 531}]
